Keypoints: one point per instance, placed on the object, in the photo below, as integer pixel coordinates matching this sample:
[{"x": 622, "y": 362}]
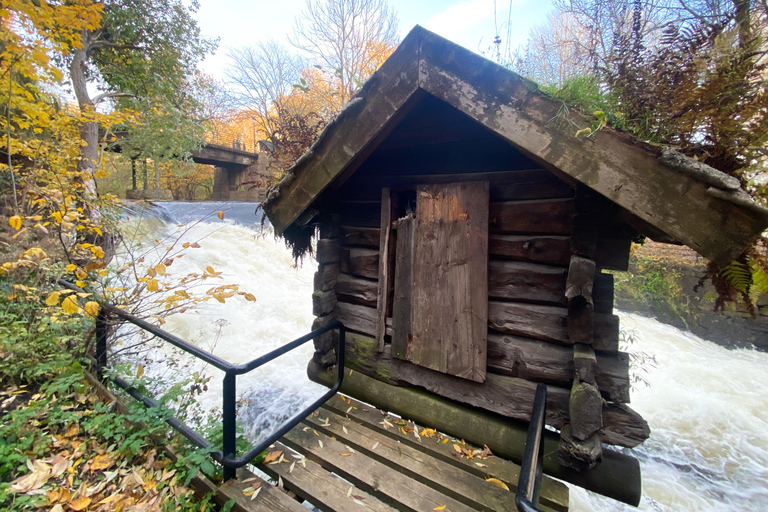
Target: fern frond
[{"x": 738, "y": 275}]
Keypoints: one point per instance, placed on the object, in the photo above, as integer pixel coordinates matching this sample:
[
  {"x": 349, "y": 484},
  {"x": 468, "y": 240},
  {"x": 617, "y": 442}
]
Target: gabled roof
[{"x": 684, "y": 199}]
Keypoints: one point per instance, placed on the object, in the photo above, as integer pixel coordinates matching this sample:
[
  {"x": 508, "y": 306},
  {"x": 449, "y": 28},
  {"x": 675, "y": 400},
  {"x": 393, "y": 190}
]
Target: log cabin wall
[{"x": 549, "y": 305}]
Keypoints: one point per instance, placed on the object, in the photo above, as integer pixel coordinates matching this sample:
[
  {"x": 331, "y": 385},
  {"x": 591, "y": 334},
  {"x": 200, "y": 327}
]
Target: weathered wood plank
[
  {"x": 552, "y": 250},
  {"x": 578, "y": 454},
  {"x": 324, "y": 490},
  {"x": 327, "y": 251},
  {"x": 554, "y": 495},
  {"x": 618, "y": 476},
  {"x": 325, "y": 277},
  {"x": 581, "y": 308},
  {"x": 323, "y": 302},
  {"x": 357, "y": 290},
  {"x": 357, "y": 318},
  {"x": 269, "y": 498},
  {"x": 545, "y": 217},
  {"x": 541, "y": 361},
  {"x": 548, "y": 323},
  {"x": 509, "y": 396},
  {"x": 446, "y": 478},
  {"x": 358, "y": 236},
  {"x": 450, "y": 272},
  {"x": 386, "y": 265},
  {"x": 526, "y": 282},
  {"x": 402, "y": 325},
  {"x": 375, "y": 478},
  {"x": 360, "y": 262},
  {"x": 585, "y": 410}
]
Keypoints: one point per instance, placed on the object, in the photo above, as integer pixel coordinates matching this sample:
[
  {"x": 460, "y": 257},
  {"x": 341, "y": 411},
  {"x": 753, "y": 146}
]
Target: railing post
[
  {"x": 101, "y": 340},
  {"x": 229, "y": 413},
  {"x": 529, "y": 483}
]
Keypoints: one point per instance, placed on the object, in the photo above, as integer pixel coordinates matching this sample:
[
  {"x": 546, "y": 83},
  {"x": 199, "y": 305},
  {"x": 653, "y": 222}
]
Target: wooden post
[
  {"x": 324, "y": 298},
  {"x": 386, "y": 266}
]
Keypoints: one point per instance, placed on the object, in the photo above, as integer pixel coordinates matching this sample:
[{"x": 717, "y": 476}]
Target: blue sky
[{"x": 469, "y": 23}]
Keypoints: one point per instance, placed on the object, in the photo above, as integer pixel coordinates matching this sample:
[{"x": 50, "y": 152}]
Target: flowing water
[{"x": 707, "y": 406}]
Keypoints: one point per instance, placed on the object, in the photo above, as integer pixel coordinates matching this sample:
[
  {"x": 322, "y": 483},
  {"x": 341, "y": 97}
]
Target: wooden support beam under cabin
[
  {"x": 327, "y": 250},
  {"x": 323, "y": 302},
  {"x": 386, "y": 264},
  {"x": 548, "y": 323},
  {"x": 356, "y": 236},
  {"x": 509, "y": 396},
  {"x": 618, "y": 476},
  {"x": 526, "y": 282}
]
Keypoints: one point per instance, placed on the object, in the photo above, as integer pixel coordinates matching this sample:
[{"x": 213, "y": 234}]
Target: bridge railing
[
  {"x": 232, "y": 144},
  {"x": 227, "y": 456}
]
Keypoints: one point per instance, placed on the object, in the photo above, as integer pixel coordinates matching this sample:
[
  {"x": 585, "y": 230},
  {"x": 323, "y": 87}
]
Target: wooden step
[
  {"x": 438, "y": 474},
  {"x": 322, "y": 489},
  {"x": 268, "y": 499},
  {"x": 380, "y": 480},
  {"x": 554, "y": 495}
]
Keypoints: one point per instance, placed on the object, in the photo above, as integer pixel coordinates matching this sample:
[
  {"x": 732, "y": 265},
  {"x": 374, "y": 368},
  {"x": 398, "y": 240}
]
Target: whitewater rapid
[{"x": 707, "y": 406}]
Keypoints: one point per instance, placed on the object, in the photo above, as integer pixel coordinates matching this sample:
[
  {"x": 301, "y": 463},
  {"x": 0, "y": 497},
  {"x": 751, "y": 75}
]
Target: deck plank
[
  {"x": 446, "y": 478},
  {"x": 387, "y": 484},
  {"x": 269, "y": 499},
  {"x": 554, "y": 494},
  {"x": 322, "y": 489}
]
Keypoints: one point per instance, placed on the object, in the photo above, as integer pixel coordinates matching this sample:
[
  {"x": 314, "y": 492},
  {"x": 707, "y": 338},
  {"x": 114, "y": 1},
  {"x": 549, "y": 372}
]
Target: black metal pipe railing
[
  {"x": 227, "y": 456},
  {"x": 529, "y": 483}
]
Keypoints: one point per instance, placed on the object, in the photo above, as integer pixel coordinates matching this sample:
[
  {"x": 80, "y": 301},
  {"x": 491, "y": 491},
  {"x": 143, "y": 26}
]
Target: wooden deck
[{"x": 353, "y": 457}]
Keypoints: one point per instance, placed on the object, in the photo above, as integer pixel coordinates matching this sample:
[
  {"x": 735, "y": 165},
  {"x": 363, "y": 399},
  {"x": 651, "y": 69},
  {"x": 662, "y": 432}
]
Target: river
[{"x": 707, "y": 406}]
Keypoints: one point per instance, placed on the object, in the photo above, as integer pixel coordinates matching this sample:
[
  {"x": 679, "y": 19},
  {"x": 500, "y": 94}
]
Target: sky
[{"x": 470, "y": 23}]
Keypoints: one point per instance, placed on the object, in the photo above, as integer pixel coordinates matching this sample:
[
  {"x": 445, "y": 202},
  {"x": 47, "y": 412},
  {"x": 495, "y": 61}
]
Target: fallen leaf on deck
[
  {"x": 347, "y": 454},
  {"x": 457, "y": 448},
  {"x": 481, "y": 465},
  {"x": 441, "y": 507},
  {"x": 497, "y": 482},
  {"x": 272, "y": 456},
  {"x": 320, "y": 442},
  {"x": 375, "y": 445}
]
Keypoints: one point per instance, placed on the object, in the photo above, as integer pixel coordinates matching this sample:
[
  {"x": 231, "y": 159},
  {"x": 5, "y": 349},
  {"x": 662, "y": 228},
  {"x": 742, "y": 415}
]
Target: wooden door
[{"x": 449, "y": 299}]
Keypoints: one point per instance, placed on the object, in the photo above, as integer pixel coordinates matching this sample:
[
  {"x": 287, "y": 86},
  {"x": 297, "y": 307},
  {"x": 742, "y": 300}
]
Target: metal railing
[
  {"x": 529, "y": 483},
  {"x": 227, "y": 455}
]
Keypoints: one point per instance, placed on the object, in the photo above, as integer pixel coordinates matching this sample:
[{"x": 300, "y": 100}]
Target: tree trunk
[{"x": 89, "y": 132}]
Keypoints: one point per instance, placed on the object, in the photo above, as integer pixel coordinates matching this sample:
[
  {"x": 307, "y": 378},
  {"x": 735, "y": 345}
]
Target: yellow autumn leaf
[
  {"x": 80, "y": 503},
  {"x": 101, "y": 462},
  {"x": 69, "y": 305},
  {"x": 152, "y": 285},
  {"x": 71, "y": 267},
  {"x": 160, "y": 269},
  {"x": 209, "y": 269},
  {"x": 80, "y": 284},
  {"x": 97, "y": 251},
  {"x": 53, "y": 299},
  {"x": 56, "y": 216},
  {"x": 441, "y": 507},
  {"x": 220, "y": 214},
  {"x": 140, "y": 371},
  {"x": 91, "y": 309},
  {"x": 249, "y": 297},
  {"x": 497, "y": 483},
  {"x": 15, "y": 222}
]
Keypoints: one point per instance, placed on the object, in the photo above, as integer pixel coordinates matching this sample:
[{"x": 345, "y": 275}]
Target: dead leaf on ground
[
  {"x": 101, "y": 462},
  {"x": 80, "y": 503},
  {"x": 497, "y": 483},
  {"x": 272, "y": 456}
]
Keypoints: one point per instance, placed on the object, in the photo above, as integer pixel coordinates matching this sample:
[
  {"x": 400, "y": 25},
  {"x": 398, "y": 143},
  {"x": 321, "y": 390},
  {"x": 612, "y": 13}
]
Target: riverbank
[{"x": 660, "y": 284}]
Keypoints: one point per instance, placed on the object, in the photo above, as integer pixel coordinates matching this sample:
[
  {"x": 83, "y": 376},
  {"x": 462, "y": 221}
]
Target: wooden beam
[
  {"x": 549, "y": 249},
  {"x": 357, "y": 290},
  {"x": 541, "y": 217},
  {"x": 325, "y": 277},
  {"x": 541, "y": 361},
  {"x": 548, "y": 323},
  {"x": 357, "y": 236},
  {"x": 402, "y": 311},
  {"x": 386, "y": 266},
  {"x": 526, "y": 282},
  {"x": 327, "y": 250},
  {"x": 509, "y": 396},
  {"x": 617, "y": 477},
  {"x": 361, "y": 262}
]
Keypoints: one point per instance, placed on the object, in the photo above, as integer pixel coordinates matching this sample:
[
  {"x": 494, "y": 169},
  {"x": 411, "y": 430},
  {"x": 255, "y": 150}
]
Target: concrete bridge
[{"x": 240, "y": 174}]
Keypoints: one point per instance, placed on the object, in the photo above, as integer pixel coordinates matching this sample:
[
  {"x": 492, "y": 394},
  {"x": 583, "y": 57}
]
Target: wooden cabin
[{"x": 464, "y": 234}]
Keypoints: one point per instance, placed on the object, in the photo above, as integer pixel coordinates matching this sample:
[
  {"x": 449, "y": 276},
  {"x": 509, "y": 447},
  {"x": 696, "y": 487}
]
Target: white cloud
[{"x": 459, "y": 18}]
